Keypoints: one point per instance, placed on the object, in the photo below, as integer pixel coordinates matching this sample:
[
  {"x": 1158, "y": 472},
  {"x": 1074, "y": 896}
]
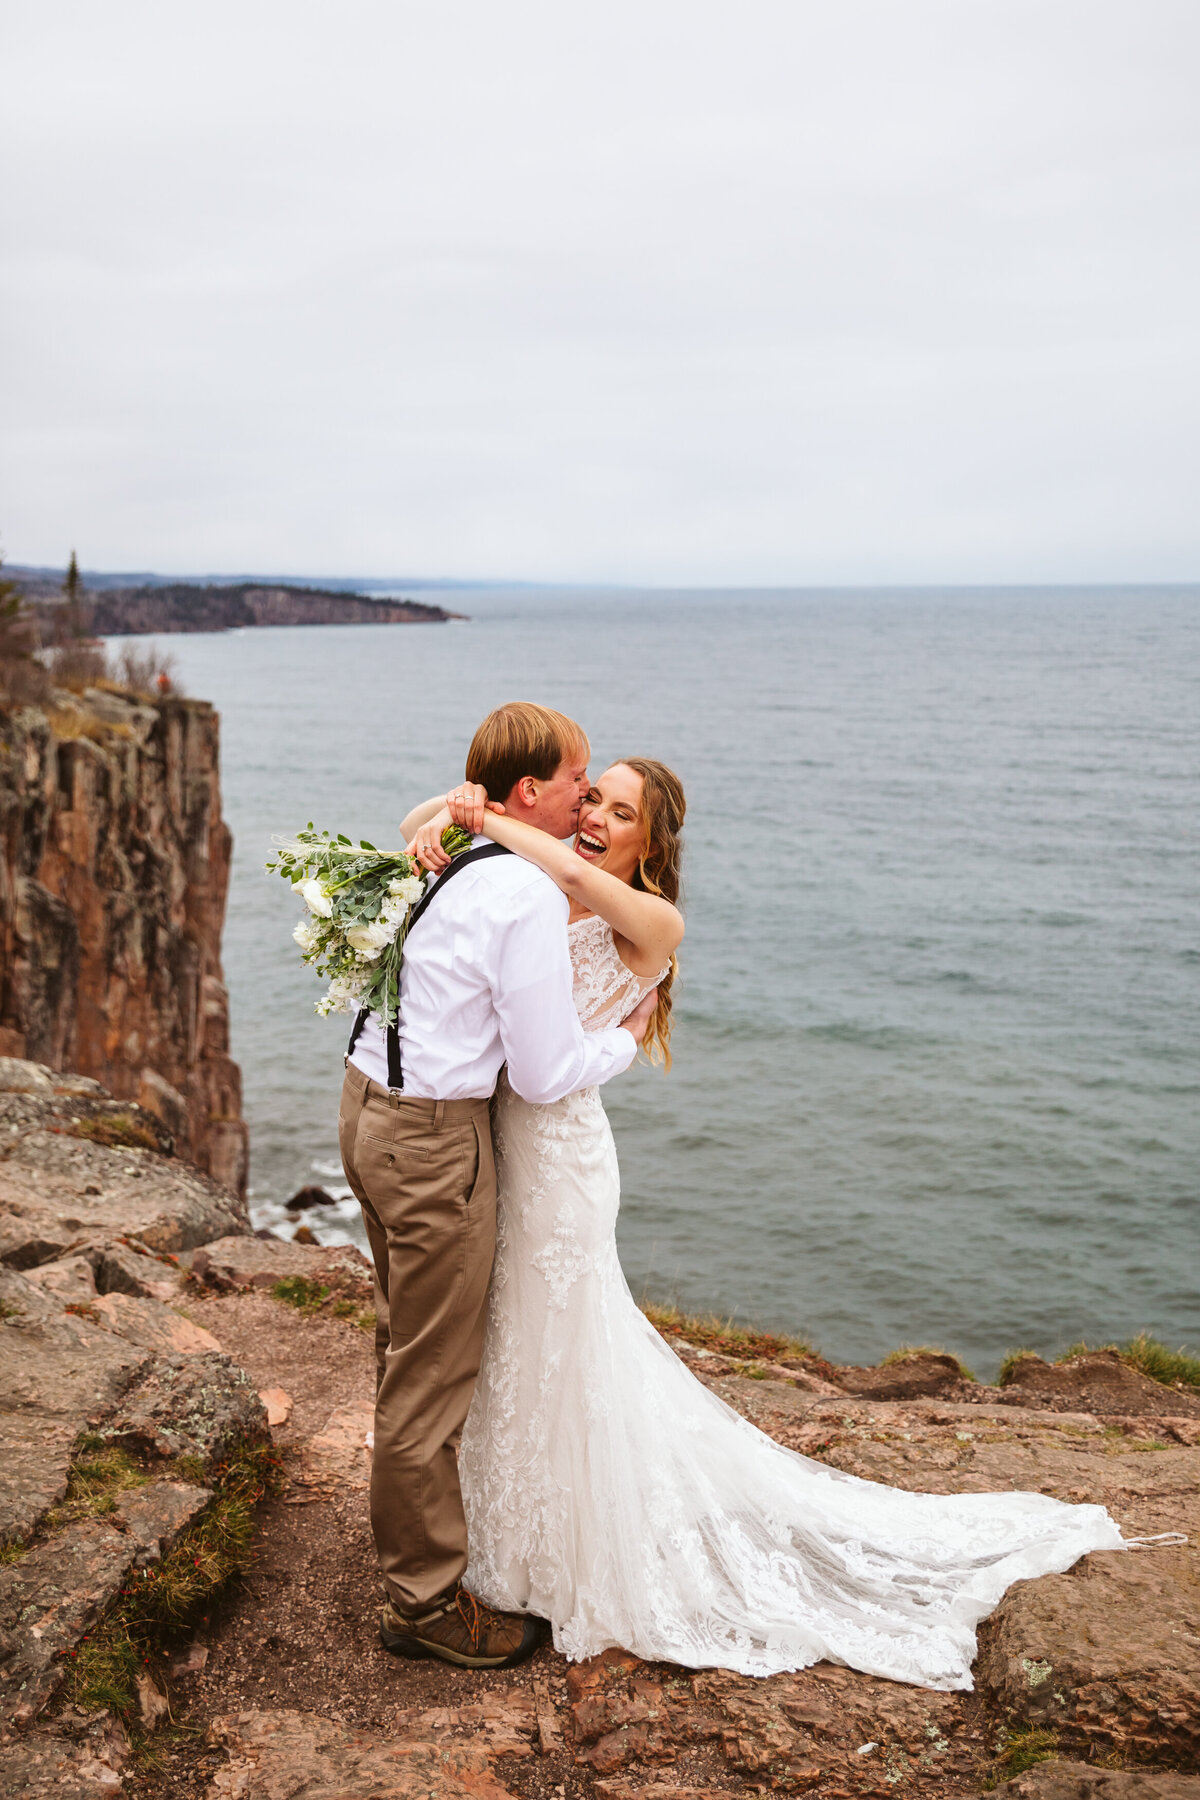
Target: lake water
[{"x": 937, "y": 1073}]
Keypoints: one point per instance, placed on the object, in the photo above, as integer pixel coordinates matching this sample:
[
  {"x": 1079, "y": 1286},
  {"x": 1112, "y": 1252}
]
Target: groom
[{"x": 486, "y": 980}]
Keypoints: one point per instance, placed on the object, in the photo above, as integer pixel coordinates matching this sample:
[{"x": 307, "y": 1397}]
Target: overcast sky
[{"x": 674, "y": 291}]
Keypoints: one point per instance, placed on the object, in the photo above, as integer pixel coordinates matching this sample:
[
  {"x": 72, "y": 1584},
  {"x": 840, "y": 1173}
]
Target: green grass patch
[
  {"x": 297, "y": 1290},
  {"x": 725, "y": 1337},
  {"x": 105, "y": 1668},
  {"x": 9, "y": 1312},
  {"x": 1020, "y": 1752},
  {"x": 310, "y": 1297},
  {"x": 98, "y": 1476},
  {"x": 13, "y": 1551},
  {"x": 903, "y": 1353},
  {"x": 116, "y": 1131},
  {"x": 177, "y": 1594},
  {"x": 1173, "y": 1368}
]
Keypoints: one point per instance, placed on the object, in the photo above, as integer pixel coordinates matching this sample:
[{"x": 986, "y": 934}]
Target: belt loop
[{"x": 439, "y": 1112}]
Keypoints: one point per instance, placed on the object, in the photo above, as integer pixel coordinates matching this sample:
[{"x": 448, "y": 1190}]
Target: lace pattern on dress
[{"x": 605, "y": 991}]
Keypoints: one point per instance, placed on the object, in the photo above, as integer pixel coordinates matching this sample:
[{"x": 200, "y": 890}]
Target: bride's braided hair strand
[{"x": 663, "y": 809}]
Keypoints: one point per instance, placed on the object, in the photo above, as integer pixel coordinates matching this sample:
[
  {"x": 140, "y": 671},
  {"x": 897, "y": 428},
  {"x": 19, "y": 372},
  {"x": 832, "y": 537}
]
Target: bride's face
[{"x": 610, "y": 832}]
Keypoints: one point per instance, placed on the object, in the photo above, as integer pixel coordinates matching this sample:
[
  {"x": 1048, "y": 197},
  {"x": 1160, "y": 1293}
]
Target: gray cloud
[{"x": 682, "y": 291}]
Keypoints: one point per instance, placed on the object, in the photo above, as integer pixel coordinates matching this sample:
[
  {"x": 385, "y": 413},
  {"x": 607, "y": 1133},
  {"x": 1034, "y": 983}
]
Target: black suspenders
[{"x": 395, "y": 1072}]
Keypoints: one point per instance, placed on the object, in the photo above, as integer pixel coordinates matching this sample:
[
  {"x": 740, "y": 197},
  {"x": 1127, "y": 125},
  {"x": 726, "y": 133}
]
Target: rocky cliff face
[{"x": 114, "y": 868}]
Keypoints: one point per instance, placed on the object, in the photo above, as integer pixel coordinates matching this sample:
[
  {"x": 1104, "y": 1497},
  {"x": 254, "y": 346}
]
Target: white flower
[
  {"x": 308, "y": 936},
  {"x": 343, "y": 996},
  {"x": 408, "y": 888},
  {"x": 369, "y": 940},
  {"x": 315, "y": 897}
]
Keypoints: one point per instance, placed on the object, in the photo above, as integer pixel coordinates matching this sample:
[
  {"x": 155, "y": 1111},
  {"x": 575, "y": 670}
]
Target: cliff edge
[
  {"x": 162, "y": 1369},
  {"x": 114, "y": 871}
]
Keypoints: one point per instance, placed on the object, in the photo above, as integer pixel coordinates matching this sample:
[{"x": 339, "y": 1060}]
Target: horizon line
[{"x": 359, "y": 583}]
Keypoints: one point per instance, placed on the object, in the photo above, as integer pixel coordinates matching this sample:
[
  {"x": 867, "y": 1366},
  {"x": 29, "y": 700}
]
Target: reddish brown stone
[
  {"x": 276, "y": 1753},
  {"x": 1107, "y": 1656},
  {"x": 909, "y": 1378},
  {"x": 1097, "y": 1382},
  {"x": 1055, "y": 1780},
  {"x": 114, "y": 869}
]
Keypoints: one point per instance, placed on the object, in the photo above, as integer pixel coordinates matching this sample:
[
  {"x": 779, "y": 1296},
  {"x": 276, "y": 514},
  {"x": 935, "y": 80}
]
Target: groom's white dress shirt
[{"x": 486, "y": 979}]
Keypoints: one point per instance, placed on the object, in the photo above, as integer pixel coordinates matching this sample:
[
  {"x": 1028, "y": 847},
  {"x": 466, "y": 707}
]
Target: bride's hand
[
  {"x": 638, "y": 1022},
  {"x": 426, "y": 845},
  {"x": 466, "y": 805}
]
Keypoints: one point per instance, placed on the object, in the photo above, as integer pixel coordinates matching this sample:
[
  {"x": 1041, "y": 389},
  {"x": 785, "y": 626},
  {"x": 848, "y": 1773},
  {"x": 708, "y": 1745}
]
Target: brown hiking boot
[{"x": 462, "y": 1630}]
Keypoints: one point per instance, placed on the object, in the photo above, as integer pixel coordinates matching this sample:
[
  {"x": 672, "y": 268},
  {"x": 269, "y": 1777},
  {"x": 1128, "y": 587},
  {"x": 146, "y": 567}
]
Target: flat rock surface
[
  {"x": 273, "y": 1754},
  {"x": 151, "y": 1324},
  {"x": 59, "y": 1191},
  {"x": 60, "y": 1374},
  {"x": 1079, "y": 1781},
  {"x": 79, "y": 1759},
  {"x": 249, "y": 1262}
]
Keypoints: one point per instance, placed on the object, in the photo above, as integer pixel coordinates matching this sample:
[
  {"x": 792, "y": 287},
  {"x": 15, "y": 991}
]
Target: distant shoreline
[{"x": 171, "y": 607}]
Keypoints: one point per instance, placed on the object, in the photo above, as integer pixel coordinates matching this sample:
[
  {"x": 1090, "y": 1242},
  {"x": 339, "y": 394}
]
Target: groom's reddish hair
[{"x": 521, "y": 739}]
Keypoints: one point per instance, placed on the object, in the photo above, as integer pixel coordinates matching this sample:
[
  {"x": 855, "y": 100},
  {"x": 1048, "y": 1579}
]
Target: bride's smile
[{"x": 610, "y": 834}]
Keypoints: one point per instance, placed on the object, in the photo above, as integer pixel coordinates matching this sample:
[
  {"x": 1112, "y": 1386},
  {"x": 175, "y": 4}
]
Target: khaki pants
[{"x": 425, "y": 1176}]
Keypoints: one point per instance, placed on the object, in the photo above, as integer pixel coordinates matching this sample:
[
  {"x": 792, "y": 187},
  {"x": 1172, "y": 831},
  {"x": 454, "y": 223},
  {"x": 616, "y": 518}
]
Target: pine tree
[
  {"x": 73, "y": 610},
  {"x": 21, "y": 676}
]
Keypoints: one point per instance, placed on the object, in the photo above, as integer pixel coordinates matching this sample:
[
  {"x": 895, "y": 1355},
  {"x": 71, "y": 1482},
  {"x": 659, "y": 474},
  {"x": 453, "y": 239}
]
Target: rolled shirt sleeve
[{"x": 547, "y": 1050}]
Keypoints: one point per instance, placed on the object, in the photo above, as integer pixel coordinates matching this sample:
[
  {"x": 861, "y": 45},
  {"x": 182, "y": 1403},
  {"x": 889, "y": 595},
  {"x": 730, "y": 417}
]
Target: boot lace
[{"x": 475, "y": 1615}]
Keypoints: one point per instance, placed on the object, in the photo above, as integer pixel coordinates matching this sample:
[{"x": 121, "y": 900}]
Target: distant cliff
[
  {"x": 114, "y": 868},
  {"x": 116, "y": 612}
]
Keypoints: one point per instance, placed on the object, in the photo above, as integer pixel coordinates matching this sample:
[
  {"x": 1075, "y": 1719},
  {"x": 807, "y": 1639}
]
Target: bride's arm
[
  {"x": 412, "y": 822},
  {"x": 650, "y": 925}
]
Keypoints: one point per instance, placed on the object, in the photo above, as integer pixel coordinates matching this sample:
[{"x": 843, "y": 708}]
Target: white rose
[
  {"x": 307, "y": 936},
  {"x": 369, "y": 940},
  {"x": 408, "y": 888},
  {"x": 315, "y": 897}
]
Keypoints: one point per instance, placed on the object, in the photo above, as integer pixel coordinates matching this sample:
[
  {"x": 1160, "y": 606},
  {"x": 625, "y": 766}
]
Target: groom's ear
[{"x": 525, "y": 793}]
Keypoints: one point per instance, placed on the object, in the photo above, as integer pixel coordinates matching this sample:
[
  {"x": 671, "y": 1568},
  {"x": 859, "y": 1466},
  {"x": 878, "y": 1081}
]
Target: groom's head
[{"x": 534, "y": 761}]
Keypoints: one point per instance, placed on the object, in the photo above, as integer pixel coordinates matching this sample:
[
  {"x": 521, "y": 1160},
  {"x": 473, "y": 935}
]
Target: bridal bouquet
[{"x": 359, "y": 902}]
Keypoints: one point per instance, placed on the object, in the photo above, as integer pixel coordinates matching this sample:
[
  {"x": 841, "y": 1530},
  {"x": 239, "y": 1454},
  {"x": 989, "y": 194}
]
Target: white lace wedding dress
[{"x": 610, "y": 1492}]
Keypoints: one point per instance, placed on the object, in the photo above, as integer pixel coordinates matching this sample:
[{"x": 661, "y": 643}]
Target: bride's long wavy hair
[{"x": 663, "y": 808}]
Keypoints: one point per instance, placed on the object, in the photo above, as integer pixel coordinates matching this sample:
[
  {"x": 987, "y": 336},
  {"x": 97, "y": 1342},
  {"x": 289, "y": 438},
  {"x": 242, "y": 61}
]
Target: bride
[{"x": 606, "y": 1489}]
